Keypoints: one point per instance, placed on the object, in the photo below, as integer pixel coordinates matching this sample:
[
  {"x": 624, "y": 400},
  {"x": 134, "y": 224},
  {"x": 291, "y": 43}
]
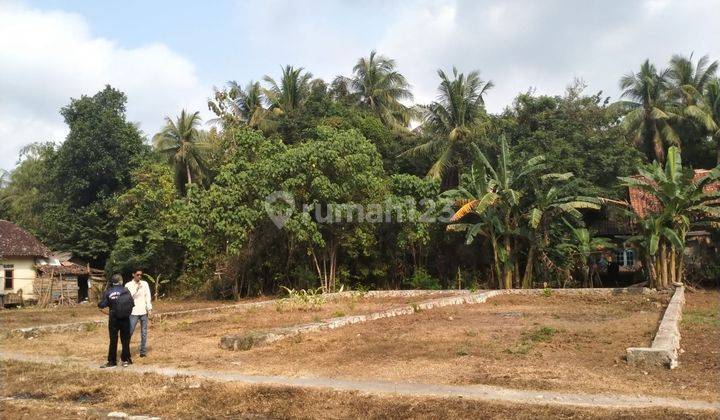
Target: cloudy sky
[{"x": 167, "y": 55}]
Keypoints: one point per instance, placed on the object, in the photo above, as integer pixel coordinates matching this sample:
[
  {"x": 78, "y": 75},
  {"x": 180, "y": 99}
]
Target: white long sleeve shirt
[{"x": 140, "y": 292}]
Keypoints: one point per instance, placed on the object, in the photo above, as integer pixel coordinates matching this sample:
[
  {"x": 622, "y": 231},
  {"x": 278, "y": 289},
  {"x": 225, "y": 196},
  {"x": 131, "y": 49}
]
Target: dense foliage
[{"x": 360, "y": 184}]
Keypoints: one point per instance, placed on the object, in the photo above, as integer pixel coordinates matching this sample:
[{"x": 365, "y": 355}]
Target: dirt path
[{"x": 475, "y": 392}]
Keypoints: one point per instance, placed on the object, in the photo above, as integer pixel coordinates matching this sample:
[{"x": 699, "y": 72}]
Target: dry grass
[
  {"x": 65, "y": 392},
  {"x": 565, "y": 343}
]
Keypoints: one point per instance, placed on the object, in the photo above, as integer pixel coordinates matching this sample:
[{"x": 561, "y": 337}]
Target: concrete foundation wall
[{"x": 665, "y": 346}]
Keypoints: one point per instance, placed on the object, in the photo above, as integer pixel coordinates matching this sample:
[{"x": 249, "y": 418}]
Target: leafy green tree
[
  {"x": 651, "y": 110},
  {"x": 144, "y": 239},
  {"x": 342, "y": 172},
  {"x": 577, "y": 133},
  {"x": 180, "y": 141},
  {"x": 89, "y": 169},
  {"x": 449, "y": 121},
  {"x": 378, "y": 87}
]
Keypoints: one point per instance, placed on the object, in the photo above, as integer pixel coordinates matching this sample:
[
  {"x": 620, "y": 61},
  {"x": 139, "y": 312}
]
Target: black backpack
[{"x": 123, "y": 305}]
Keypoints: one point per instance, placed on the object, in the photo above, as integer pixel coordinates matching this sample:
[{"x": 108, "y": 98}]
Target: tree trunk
[
  {"x": 528, "y": 275},
  {"x": 663, "y": 266},
  {"x": 673, "y": 266},
  {"x": 508, "y": 277},
  {"x": 187, "y": 170},
  {"x": 496, "y": 261}
]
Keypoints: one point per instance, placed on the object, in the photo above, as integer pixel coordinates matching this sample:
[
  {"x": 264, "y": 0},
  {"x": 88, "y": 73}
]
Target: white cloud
[
  {"x": 47, "y": 57},
  {"x": 545, "y": 45}
]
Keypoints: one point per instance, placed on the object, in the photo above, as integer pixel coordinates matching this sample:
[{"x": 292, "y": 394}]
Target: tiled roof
[
  {"x": 17, "y": 242},
  {"x": 644, "y": 203}
]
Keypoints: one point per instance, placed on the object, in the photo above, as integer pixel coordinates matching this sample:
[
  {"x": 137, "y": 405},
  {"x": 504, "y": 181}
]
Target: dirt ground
[
  {"x": 193, "y": 341},
  {"x": 567, "y": 343},
  {"x": 64, "y": 393},
  {"x": 564, "y": 343}
]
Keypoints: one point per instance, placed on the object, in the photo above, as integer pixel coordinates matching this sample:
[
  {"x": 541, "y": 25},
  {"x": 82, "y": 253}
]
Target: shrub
[{"x": 423, "y": 281}]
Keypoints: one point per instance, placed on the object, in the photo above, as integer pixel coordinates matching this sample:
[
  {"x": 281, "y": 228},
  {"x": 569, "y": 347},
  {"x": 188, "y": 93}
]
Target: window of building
[
  {"x": 629, "y": 257},
  {"x": 625, "y": 257},
  {"x": 8, "y": 276}
]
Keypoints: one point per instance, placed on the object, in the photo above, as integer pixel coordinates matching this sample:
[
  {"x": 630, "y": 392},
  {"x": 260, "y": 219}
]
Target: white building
[{"x": 20, "y": 251}]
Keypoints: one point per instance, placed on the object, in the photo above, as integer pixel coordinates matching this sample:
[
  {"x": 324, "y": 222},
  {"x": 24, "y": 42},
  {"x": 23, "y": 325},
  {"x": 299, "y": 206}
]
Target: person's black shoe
[
  {"x": 108, "y": 366},
  {"x": 143, "y": 355}
]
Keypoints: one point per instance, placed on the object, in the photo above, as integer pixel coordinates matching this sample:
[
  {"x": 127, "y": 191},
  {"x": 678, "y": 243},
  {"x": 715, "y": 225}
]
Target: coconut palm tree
[
  {"x": 378, "y": 87},
  {"x": 290, "y": 92},
  {"x": 651, "y": 110},
  {"x": 238, "y": 104},
  {"x": 180, "y": 141},
  {"x": 689, "y": 80},
  {"x": 449, "y": 120},
  {"x": 706, "y": 112}
]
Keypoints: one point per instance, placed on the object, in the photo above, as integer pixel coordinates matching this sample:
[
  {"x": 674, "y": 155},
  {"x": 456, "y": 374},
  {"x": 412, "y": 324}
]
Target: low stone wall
[
  {"x": 251, "y": 339},
  {"x": 85, "y": 325},
  {"x": 246, "y": 341},
  {"x": 665, "y": 346}
]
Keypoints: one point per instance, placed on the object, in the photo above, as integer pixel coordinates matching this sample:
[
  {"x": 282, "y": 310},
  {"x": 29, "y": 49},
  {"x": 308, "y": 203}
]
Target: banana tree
[
  {"x": 579, "y": 247},
  {"x": 684, "y": 200},
  {"x": 549, "y": 204},
  {"x": 494, "y": 196}
]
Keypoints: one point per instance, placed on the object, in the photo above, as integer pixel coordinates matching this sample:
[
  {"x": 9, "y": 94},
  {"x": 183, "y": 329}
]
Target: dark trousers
[{"x": 121, "y": 326}]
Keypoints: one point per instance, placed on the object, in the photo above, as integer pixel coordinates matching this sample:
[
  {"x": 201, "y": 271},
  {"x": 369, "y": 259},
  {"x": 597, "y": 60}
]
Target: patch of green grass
[
  {"x": 463, "y": 349},
  {"x": 338, "y": 314},
  {"x": 702, "y": 317},
  {"x": 543, "y": 334},
  {"x": 471, "y": 333},
  {"x": 547, "y": 292}
]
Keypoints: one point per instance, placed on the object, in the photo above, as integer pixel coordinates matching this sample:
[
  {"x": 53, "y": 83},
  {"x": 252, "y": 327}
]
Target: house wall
[{"x": 24, "y": 275}]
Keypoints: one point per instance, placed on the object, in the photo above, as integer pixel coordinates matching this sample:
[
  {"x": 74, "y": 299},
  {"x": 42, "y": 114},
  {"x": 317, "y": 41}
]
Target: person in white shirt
[{"x": 140, "y": 291}]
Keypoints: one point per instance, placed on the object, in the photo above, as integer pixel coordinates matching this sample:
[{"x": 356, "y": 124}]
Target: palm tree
[
  {"x": 685, "y": 201},
  {"x": 690, "y": 81},
  {"x": 706, "y": 112},
  {"x": 651, "y": 110},
  {"x": 449, "y": 120},
  {"x": 712, "y": 103},
  {"x": 380, "y": 88},
  {"x": 180, "y": 141},
  {"x": 238, "y": 104},
  {"x": 291, "y": 92}
]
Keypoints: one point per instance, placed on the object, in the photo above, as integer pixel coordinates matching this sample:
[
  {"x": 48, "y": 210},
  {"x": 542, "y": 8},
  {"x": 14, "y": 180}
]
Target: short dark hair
[{"x": 116, "y": 279}]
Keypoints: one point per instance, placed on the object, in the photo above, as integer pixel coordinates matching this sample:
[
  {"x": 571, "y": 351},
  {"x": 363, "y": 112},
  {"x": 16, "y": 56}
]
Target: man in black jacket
[{"x": 120, "y": 301}]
